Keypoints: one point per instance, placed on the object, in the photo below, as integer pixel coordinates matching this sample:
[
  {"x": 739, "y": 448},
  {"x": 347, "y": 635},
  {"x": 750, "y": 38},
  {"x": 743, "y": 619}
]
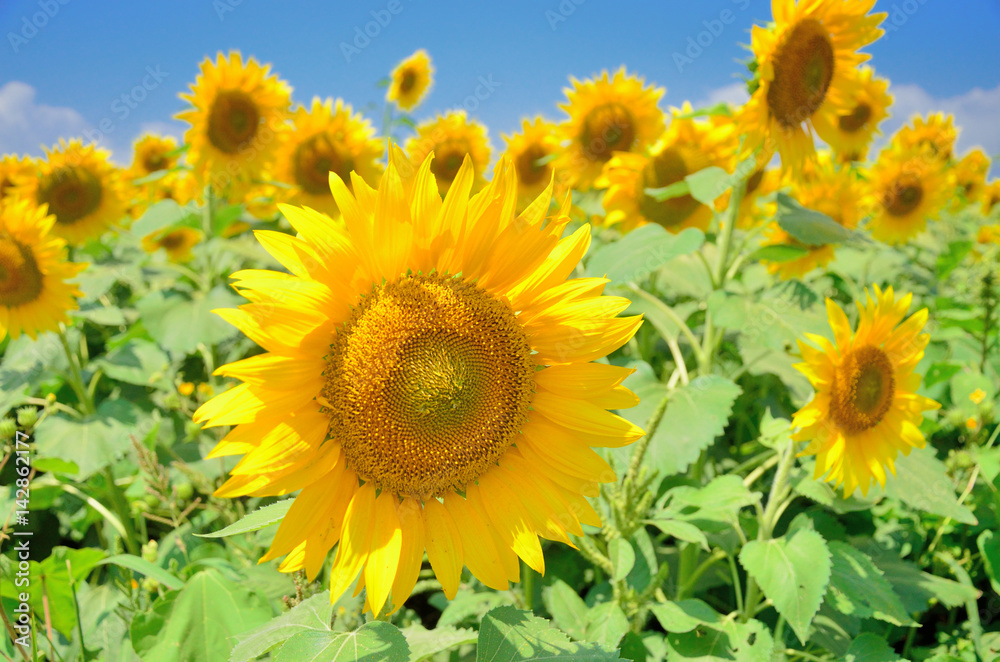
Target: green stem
[
  {"x": 643, "y": 444},
  {"x": 120, "y": 504},
  {"x": 76, "y": 375},
  {"x": 685, "y": 584},
  {"x": 528, "y": 585},
  {"x": 674, "y": 317}
]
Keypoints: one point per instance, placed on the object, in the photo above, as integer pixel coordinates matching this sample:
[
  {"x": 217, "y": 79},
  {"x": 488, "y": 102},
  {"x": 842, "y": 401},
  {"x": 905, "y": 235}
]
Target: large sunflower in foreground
[
  {"x": 531, "y": 151},
  {"x": 237, "y": 119},
  {"x": 907, "y": 191},
  {"x": 866, "y": 409},
  {"x": 327, "y": 138},
  {"x": 850, "y": 132},
  {"x": 451, "y": 138},
  {"x": 411, "y": 80},
  {"x": 34, "y": 294},
  {"x": 428, "y": 383},
  {"x": 81, "y": 188},
  {"x": 619, "y": 114},
  {"x": 14, "y": 169},
  {"x": 805, "y": 66}
]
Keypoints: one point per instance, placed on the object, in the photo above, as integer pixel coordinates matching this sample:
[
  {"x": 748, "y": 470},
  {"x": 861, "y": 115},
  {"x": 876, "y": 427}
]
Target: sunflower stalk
[{"x": 76, "y": 382}]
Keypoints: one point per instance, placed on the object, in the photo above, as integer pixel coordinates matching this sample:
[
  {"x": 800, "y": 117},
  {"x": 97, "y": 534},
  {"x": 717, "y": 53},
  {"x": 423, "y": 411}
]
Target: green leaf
[
  {"x": 56, "y": 465},
  {"x": 139, "y": 362},
  {"x": 98, "y": 313},
  {"x": 642, "y": 251},
  {"x": 199, "y": 621},
  {"x": 179, "y": 323},
  {"x": 568, "y": 609},
  {"x": 606, "y": 625},
  {"x": 468, "y": 605},
  {"x": 952, "y": 257},
  {"x": 93, "y": 442},
  {"x": 160, "y": 215},
  {"x": 940, "y": 372},
  {"x": 258, "y": 519},
  {"x": 721, "y": 108},
  {"x": 622, "y": 558},
  {"x": 696, "y": 414},
  {"x": 426, "y": 643},
  {"x": 740, "y": 642},
  {"x": 510, "y": 635},
  {"x": 708, "y": 184},
  {"x": 809, "y": 226},
  {"x": 675, "y": 190},
  {"x": 685, "y": 615},
  {"x": 858, "y": 588},
  {"x": 793, "y": 573},
  {"x": 922, "y": 482},
  {"x": 142, "y": 566},
  {"x": 376, "y": 641},
  {"x": 989, "y": 547},
  {"x": 916, "y": 588},
  {"x": 870, "y": 647},
  {"x": 779, "y": 253},
  {"x": 718, "y": 502},
  {"x": 681, "y": 530}
]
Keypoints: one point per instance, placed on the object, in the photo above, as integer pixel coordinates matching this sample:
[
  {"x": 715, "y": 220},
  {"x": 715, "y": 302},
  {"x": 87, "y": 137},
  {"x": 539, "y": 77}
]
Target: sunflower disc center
[
  {"x": 451, "y": 155},
  {"x": 427, "y": 384},
  {"x": 408, "y": 81},
  {"x": 71, "y": 194},
  {"x": 856, "y": 119},
  {"x": 20, "y": 278},
  {"x": 903, "y": 198},
  {"x": 803, "y": 69},
  {"x": 315, "y": 158},
  {"x": 529, "y": 170},
  {"x": 233, "y": 121},
  {"x": 863, "y": 388},
  {"x": 666, "y": 168},
  {"x": 606, "y": 129}
]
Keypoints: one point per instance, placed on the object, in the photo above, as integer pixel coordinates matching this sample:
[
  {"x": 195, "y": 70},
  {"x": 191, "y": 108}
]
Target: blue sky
[{"x": 64, "y": 71}]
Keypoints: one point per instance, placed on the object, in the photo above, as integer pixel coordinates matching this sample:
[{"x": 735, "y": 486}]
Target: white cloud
[
  {"x": 25, "y": 125},
  {"x": 735, "y": 94}
]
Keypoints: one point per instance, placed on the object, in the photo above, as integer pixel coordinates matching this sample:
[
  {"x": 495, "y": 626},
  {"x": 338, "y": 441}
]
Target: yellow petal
[
  {"x": 355, "y": 541},
  {"x": 444, "y": 546},
  {"x": 511, "y": 521},
  {"x": 411, "y": 554},
  {"x": 480, "y": 553},
  {"x": 383, "y": 555}
]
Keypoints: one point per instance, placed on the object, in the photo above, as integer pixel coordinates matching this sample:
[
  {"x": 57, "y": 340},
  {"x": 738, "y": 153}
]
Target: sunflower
[
  {"x": 907, "y": 191},
  {"x": 850, "y": 131},
  {"x": 991, "y": 197},
  {"x": 326, "y": 139},
  {"x": 866, "y": 408},
  {"x": 428, "y": 383},
  {"x": 606, "y": 116},
  {"x": 13, "y": 170},
  {"x": 153, "y": 153},
  {"x": 81, "y": 188},
  {"x": 237, "y": 119},
  {"x": 451, "y": 138},
  {"x": 933, "y": 138},
  {"x": 688, "y": 146},
  {"x": 969, "y": 177},
  {"x": 805, "y": 65},
  {"x": 177, "y": 243},
  {"x": 411, "y": 80},
  {"x": 531, "y": 151},
  {"x": 34, "y": 294}
]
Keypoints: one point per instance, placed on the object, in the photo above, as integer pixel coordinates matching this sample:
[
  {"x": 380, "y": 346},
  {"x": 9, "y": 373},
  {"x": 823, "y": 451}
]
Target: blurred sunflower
[
  {"x": 326, "y": 139},
  {"x": 907, "y": 191},
  {"x": 81, "y": 188},
  {"x": 451, "y": 137},
  {"x": 605, "y": 116},
  {"x": 688, "y": 146},
  {"x": 531, "y": 151},
  {"x": 34, "y": 294},
  {"x": 411, "y": 80},
  {"x": 804, "y": 72},
  {"x": 850, "y": 132},
  {"x": 177, "y": 243},
  {"x": 933, "y": 138},
  {"x": 151, "y": 154},
  {"x": 436, "y": 352},
  {"x": 866, "y": 409},
  {"x": 13, "y": 169},
  {"x": 969, "y": 177},
  {"x": 238, "y": 116},
  {"x": 991, "y": 197}
]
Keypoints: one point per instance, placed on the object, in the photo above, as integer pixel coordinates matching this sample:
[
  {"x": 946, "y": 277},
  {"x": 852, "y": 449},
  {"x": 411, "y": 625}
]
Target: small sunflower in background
[
  {"x": 13, "y": 169},
  {"x": 688, "y": 146},
  {"x": 152, "y": 153},
  {"x": 991, "y": 197},
  {"x": 81, "y": 188},
  {"x": 531, "y": 151},
  {"x": 327, "y": 138},
  {"x": 849, "y": 132},
  {"x": 34, "y": 294},
  {"x": 451, "y": 137},
  {"x": 238, "y": 116},
  {"x": 411, "y": 80},
  {"x": 619, "y": 114},
  {"x": 969, "y": 177},
  {"x": 907, "y": 191},
  {"x": 177, "y": 243},
  {"x": 805, "y": 65},
  {"x": 866, "y": 409},
  {"x": 933, "y": 137},
  {"x": 456, "y": 407}
]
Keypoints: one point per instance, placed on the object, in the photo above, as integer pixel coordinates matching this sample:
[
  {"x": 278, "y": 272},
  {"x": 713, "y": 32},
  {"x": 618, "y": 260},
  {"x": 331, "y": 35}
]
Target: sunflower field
[{"x": 707, "y": 384}]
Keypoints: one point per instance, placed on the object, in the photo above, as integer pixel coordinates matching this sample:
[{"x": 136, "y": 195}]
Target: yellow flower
[
  {"x": 326, "y": 139},
  {"x": 411, "y": 80},
  {"x": 933, "y": 138},
  {"x": 969, "y": 177},
  {"x": 81, "y": 188},
  {"x": 34, "y": 294},
  {"x": 531, "y": 151},
  {"x": 206, "y": 389},
  {"x": 435, "y": 351},
  {"x": 907, "y": 190},
  {"x": 688, "y": 146},
  {"x": 850, "y": 131},
  {"x": 237, "y": 121},
  {"x": 988, "y": 234},
  {"x": 177, "y": 243},
  {"x": 804, "y": 67},
  {"x": 971, "y": 423},
  {"x": 605, "y": 116},
  {"x": 865, "y": 409},
  {"x": 977, "y": 396},
  {"x": 186, "y": 388},
  {"x": 13, "y": 170},
  {"x": 153, "y": 153},
  {"x": 991, "y": 196},
  {"x": 451, "y": 137}
]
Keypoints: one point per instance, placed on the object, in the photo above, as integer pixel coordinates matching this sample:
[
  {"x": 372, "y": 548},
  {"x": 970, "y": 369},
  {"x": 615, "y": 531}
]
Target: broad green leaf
[
  {"x": 137, "y": 362},
  {"x": 708, "y": 184},
  {"x": 606, "y": 625},
  {"x": 922, "y": 482},
  {"x": 142, "y": 566},
  {"x": 870, "y": 647},
  {"x": 642, "y": 251},
  {"x": 809, "y": 226},
  {"x": 199, "y": 621},
  {"x": 916, "y": 588},
  {"x": 376, "y": 641},
  {"x": 729, "y": 311},
  {"x": 622, "y": 558},
  {"x": 426, "y": 643},
  {"x": 720, "y": 501},
  {"x": 25, "y": 363},
  {"x": 793, "y": 572},
  {"x": 510, "y": 635},
  {"x": 681, "y": 530},
  {"x": 56, "y": 465},
  {"x": 696, "y": 414},
  {"x": 858, "y": 588},
  {"x": 160, "y": 215},
  {"x": 739, "y": 642},
  {"x": 94, "y": 442},
  {"x": 568, "y": 609},
  {"x": 675, "y": 190},
  {"x": 989, "y": 546},
  {"x": 258, "y": 519},
  {"x": 105, "y": 631},
  {"x": 179, "y": 323},
  {"x": 952, "y": 257},
  {"x": 940, "y": 372},
  {"x": 98, "y": 313},
  {"x": 470, "y": 606},
  {"x": 779, "y": 253},
  {"x": 685, "y": 615}
]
